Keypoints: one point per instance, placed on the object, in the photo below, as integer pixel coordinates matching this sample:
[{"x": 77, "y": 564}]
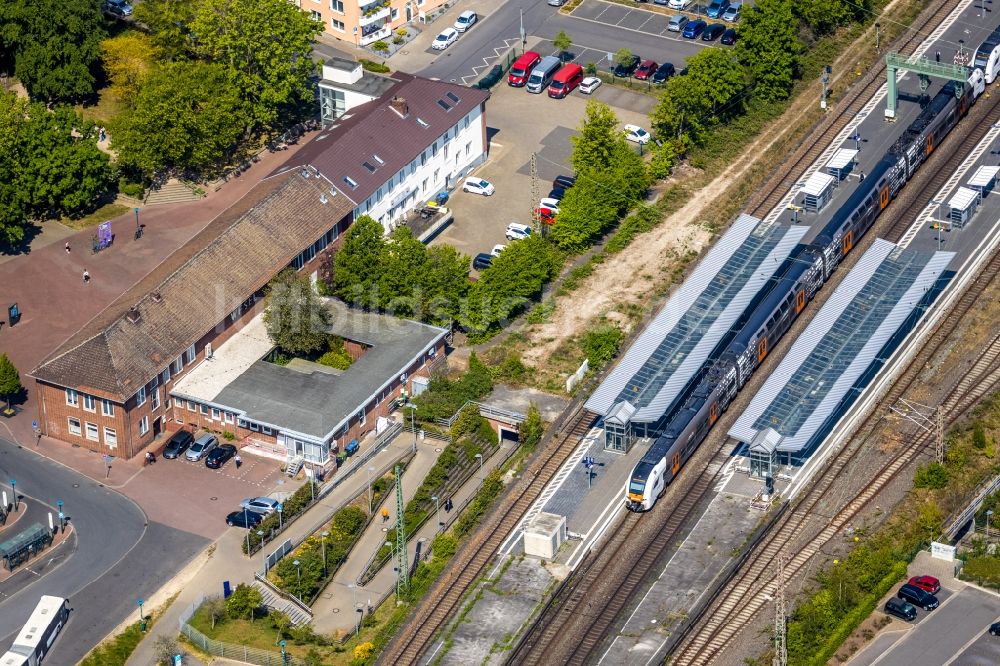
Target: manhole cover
[
  {"x": 76, "y": 485},
  {"x": 437, "y": 450},
  {"x": 213, "y": 498},
  {"x": 336, "y": 610},
  {"x": 385, "y": 529}
]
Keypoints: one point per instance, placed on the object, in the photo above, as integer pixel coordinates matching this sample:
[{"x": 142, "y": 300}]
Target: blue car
[
  {"x": 694, "y": 29},
  {"x": 716, "y": 9}
]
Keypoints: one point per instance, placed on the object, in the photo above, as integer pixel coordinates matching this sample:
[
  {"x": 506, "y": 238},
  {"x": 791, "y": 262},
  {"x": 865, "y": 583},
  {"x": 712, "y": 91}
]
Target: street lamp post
[
  {"x": 298, "y": 576},
  {"x": 138, "y": 228},
  {"x": 437, "y": 509},
  {"x": 324, "y": 535},
  {"x": 480, "y": 457},
  {"x": 246, "y": 521},
  {"x": 13, "y": 489},
  {"x": 413, "y": 427},
  {"x": 142, "y": 619},
  {"x": 369, "y": 471},
  {"x": 284, "y": 655},
  {"x": 279, "y": 510},
  {"x": 62, "y": 516},
  {"x": 878, "y": 36}
]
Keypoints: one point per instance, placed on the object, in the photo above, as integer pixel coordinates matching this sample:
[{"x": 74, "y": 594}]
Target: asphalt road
[
  {"x": 116, "y": 558},
  {"x": 500, "y": 29}
]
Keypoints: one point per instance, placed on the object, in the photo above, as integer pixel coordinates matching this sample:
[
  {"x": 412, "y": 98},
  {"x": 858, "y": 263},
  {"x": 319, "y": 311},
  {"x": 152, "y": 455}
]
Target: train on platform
[
  {"x": 35, "y": 639},
  {"x": 796, "y": 282},
  {"x": 987, "y": 57}
]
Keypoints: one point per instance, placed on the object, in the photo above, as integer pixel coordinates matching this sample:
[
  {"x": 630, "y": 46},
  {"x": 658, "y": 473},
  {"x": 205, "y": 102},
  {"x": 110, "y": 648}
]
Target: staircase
[
  {"x": 294, "y": 466},
  {"x": 173, "y": 191},
  {"x": 274, "y": 600}
]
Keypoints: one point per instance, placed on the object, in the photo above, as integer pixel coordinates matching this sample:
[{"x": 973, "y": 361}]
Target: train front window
[{"x": 637, "y": 487}]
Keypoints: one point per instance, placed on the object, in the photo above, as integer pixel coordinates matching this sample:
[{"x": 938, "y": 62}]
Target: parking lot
[
  {"x": 515, "y": 133},
  {"x": 638, "y": 20}
]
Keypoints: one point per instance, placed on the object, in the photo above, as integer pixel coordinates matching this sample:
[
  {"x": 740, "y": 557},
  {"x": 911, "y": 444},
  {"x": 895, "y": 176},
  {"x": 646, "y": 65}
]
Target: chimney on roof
[
  {"x": 133, "y": 315},
  {"x": 399, "y": 105},
  {"x": 156, "y": 296}
]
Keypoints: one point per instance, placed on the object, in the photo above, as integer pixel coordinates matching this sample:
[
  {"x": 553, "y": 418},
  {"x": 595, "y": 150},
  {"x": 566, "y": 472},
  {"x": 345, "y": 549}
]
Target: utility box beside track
[{"x": 544, "y": 535}]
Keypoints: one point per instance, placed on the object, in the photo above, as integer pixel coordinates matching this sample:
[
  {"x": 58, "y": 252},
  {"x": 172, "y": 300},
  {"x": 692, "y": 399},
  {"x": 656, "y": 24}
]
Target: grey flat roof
[
  {"x": 840, "y": 344},
  {"x": 316, "y": 404},
  {"x": 664, "y": 358}
]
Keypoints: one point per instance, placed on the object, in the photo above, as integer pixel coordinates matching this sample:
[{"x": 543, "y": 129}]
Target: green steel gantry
[
  {"x": 924, "y": 69},
  {"x": 403, "y": 571}
]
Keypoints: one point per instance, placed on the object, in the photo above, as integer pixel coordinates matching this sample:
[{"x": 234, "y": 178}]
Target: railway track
[
  {"x": 847, "y": 109},
  {"x": 748, "y": 591}
]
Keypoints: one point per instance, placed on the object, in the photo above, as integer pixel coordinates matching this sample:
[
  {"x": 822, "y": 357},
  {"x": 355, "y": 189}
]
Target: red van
[
  {"x": 521, "y": 69},
  {"x": 565, "y": 80}
]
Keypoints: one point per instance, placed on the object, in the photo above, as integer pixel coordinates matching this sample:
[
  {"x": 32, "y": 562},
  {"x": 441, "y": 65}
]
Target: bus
[{"x": 37, "y": 635}]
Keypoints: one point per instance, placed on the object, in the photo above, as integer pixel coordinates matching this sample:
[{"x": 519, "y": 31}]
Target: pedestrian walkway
[
  {"x": 224, "y": 560},
  {"x": 335, "y": 610}
]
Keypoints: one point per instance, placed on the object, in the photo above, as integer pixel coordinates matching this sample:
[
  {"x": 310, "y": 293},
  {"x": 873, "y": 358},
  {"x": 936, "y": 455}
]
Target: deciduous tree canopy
[
  {"x": 296, "y": 319},
  {"x": 768, "y": 47}
]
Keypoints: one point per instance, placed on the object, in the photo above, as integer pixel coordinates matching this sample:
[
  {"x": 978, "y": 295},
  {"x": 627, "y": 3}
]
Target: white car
[
  {"x": 678, "y": 4},
  {"x": 497, "y": 249},
  {"x": 445, "y": 39},
  {"x": 465, "y": 20},
  {"x": 636, "y": 134},
  {"x": 478, "y": 186},
  {"x": 517, "y": 231},
  {"x": 589, "y": 85},
  {"x": 550, "y": 203}
]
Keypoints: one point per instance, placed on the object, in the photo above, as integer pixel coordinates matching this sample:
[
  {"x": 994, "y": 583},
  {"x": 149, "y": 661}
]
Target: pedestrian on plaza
[
  {"x": 238, "y": 461},
  {"x": 104, "y": 135},
  {"x": 86, "y": 276},
  {"x": 861, "y": 177},
  {"x": 937, "y": 57},
  {"x": 67, "y": 247}
]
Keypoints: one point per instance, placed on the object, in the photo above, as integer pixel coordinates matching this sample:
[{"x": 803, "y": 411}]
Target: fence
[
  {"x": 485, "y": 411},
  {"x": 278, "y": 553},
  {"x": 969, "y": 512},
  {"x": 244, "y": 653}
]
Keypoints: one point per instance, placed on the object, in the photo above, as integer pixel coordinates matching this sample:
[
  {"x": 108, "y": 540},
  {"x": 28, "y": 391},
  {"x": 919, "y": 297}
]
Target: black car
[
  {"x": 557, "y": 193},
  {"x": 625, "y": 70},
  {"x": 728, "y": 37},
  {"x": 995, "y": 629},
  {"x": 178, "y": 444},
  {"x": 664, "y": 72},
  {"x": 564, "y": 182},
  {"x": 901, "y": 609},
  {"x": 713, "y": 32},
  {"x": 218, "y": 456},
  {"x": 482, "y": 260},
  {"x": 917, "y": 597},
  {"x": 245, "y": 519}
]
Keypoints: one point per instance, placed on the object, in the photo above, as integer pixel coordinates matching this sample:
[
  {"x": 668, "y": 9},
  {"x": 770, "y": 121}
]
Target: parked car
[
  {"x": 465, "y": 20},
  {"x": 664, "y": 72},
  {"x": 244, "y": 519},
  {"x": 482, "y": 261},
  {"x": 557, "y": 193},
  {"x": 497, "y": 249},
  {"x": 917, "y": 597},
  {"x": 995, "y": 629},
  {"x": 565, "y": 80},
  {"x": 646, "y": 69},
  {"x": 447, "y": 37},
  {"x": 589, "y": 84},
  {"x": 675, "y": 4},
  {"x": 728, "y": 37},
  {"x": 517, "y": 231},
  {"x": 557, "y": 3},
  {"x": 713, "y": 32},
  {"x": 624, "y": 70},
  {"x": 201, "y": 447},
  {"x": 218, "y": 456},
  {"x": 564, "y": 182},
  {"x": 928, "y": 584},
  {"x": 178, "y": 444},
  {"x": 636, "y": 134},
  {"x": 901, "y": 609},
  {"x": 264, "y": 505},
  {"x": 478, "y": 186},
  {"x": 118, "y": 8},
  {"x": 550, "y": 203},
  {"x": 677, "y": 23},
  {"x": 693, "y": 29},
  {"x": 521, "y": 69},
  {"x": 732, "y": 13},
  {"x": 546, "y": 215},
  {"x": 716, "y": 8}
]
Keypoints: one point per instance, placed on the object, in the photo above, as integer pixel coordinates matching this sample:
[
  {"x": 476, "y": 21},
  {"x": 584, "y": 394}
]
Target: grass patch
[
  {"x": 116, "y": 651},
  {"x": 107, "y": 108},
  {"x": 102, "y": 214}
]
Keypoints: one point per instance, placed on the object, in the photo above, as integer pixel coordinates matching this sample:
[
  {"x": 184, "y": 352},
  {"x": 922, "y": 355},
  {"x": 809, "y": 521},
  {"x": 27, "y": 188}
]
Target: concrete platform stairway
[
  {"x": 275, "y": 600},
  {"x": 172, "y": 191}
]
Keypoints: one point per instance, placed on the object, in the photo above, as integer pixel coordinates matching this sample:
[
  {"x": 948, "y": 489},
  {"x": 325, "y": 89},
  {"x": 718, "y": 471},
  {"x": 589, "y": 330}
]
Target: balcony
[
  {"x": 368, "y": 19},
  {"x": 376, "y": 35}
]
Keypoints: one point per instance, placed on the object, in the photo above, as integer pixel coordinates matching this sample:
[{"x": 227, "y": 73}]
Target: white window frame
[
  {"x": 339, "y": 26},
  {"x": 110, "y": 437},
  {"x": 107, "y": 408},
  {"x": 89, "y": 403},
  {"x": 192, "y": 407},
  {"x": 178, "y": 365},
  {"x": 166, "y": 375},
  {"x": 92, "y": 428},
  {"x": 337, "y": 6},
  {"x": 74, "y": 429},
  {"x": 362, "y": 417},
  {"x": 229, "y": 417},
  {"x": 143, "y": 425},
  {"x": 72, "y": 397},
  {"x": 204, "y": 410},
  {"x": 216, "y": 414},
  {"x": 140, "y": 396},
  {"x": 155, "y": 398},
  {"x": 266, "y": 430},
  {"x": 190, "y": 355}
]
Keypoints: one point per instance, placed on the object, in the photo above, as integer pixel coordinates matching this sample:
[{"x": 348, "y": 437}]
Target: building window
[
  {"x": 432, "y": 352},
  {"x": 155, "y": 395},
  {"x": 423, "y": 187},
  {"x": 110, "y": 437},
  {"x": 434, "y": 149},
  {"x": 254, "y": 427},
  {"x": 315, "y": 14},
  {"x": 143, "y": 425},
  {"x": 229, "y": 417},
  {"x": 436, "y": 172},
  {"x": 74, "y": 426},
  {"x": 446, "y": 151},
  {"x": 92, "y": 432},
  {"x": 191, "y": 406},
  {"x": 107, "y": 408},
  {"x": 337, "y": 5},
  {"x": 204, "y": 410},
  {"x": 395, "y": 14},
  {"x": 140, "y": 397},
  {"x": 166, "y": 375},
  {"x": 361, "y": 417},
  {"x": 190, "y": 354},
  {"x": 178, "y": 365},
  {"x": 266, "y": 430},
  {"x": 72, "y": 397},
  {"x": 89, "y": 403},
  {"x": 337, "y": 25},
  {"x": 467, "y": 122},
  {"x": 216, "y": 414},
  {"x": 468, "y": 149}
]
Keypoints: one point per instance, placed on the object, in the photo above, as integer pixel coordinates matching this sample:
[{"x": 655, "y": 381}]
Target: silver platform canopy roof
[
  {"x": 840, "y": 344},
  {"x": 672, "y": 349}
]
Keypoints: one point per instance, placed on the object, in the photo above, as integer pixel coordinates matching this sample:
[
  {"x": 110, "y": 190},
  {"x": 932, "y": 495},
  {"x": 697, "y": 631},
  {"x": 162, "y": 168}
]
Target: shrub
[
  {"x": 380, "y": 46},
  {"x": 372, "y": 66},
  {"x": 931, "y": 475},
  {"x": 444, "y": 396},
  {"x": 985, "y": 570},
  {"x": 228, "y": 436},
  {"x": 979, "y": 436},
  {"x": 337, "y": 356},
  {"x": 364, "y": 651},
  {"x": 601, "y": 344},
  {"x": 129, "y": 188}
]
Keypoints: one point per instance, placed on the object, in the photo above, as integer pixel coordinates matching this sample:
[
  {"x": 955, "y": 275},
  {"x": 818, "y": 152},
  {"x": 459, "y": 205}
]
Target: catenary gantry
[
  {"x": 700, "y": 314},
  {"x": 815, "y": 379}
]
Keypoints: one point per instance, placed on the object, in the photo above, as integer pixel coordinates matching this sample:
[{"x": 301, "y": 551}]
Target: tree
[
  {"x": 188, "y": 115},
  {"x": 717, "y": 74},
  {"x": 56, "y": 45},
  {"x": 128, "y": 60},
  {"x": 584, "y": 213},
  {"x": 165, "y": 648},
  {"x": 10, "y": 380},
  {"x": 594, "y": 146},
  {"x": 768, "y": 47},
  {"x": 822, "y": 16},
  {"x": 244, "y": 602},
  {"x": 623, "y": 56},
  {"x": 358, "y": 265},
  {"x": 265, "y": 47},
  {"x": 562, "y": 42},
  {"x": 296, "y": 319},
  {"x": 215, "y": 609},
  {"x": 445, "y": 284},
  {"x": 403, "y": 265},
  {"x": 661, "y": 162},
  {"x": 169, "y": 24},
  {"x": 531, "y": 429}
]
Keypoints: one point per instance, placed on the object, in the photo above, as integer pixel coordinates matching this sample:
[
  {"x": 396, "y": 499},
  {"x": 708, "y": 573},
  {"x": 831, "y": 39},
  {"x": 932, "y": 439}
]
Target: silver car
[
  {"x": 264, "y": 505},
  {"x": 201, "y": 447}
]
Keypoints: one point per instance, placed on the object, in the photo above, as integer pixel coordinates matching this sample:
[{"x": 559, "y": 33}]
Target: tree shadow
[{"x": 24, "y": 245}]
